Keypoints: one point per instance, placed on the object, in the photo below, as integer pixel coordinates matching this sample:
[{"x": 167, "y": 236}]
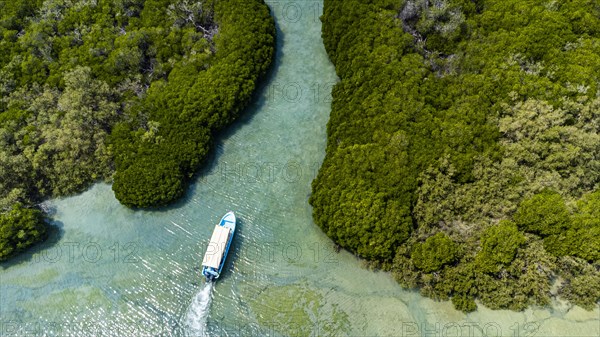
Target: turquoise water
[{"x": 111, "y": 271}]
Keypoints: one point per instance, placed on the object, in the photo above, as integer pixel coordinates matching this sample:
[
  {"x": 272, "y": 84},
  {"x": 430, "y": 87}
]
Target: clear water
[{"x": 111, "y": 271}]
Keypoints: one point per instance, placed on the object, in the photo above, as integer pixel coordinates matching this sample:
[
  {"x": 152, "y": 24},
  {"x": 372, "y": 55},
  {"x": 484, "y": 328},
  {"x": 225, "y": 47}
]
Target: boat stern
[{"x": 210, "y": 273}]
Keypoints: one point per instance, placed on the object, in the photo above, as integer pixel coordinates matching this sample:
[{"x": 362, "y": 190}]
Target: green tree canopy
[
  {"x": 20, "y": 228},
  {"x": 463, "y": 114},
  {"x": 499, "y": 244},
  {"x": 139, "y": 87},
  {"x": 544, "y": 214},
  {"x": 436, "y": 252}
]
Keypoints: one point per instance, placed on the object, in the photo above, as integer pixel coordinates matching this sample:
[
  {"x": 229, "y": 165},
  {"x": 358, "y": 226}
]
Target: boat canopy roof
[{"x": 216, "y": 247}]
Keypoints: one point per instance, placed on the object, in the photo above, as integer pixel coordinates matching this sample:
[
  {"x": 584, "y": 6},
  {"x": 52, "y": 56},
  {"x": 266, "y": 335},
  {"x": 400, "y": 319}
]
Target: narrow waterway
[{"x": 111, "y": 271}]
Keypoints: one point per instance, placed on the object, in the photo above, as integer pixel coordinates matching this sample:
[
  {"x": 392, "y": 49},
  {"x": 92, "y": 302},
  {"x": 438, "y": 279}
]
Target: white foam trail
[{"x": 197, "y": 315}]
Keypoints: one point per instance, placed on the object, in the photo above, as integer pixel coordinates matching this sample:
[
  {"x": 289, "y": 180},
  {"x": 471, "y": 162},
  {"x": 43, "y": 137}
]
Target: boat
[{"x": 218, "y": 247}]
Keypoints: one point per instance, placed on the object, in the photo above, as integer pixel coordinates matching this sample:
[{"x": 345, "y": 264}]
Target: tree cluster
[
  {"x": 181, "y": 113},
  {"x": 139, "y": 87},
  {"x": 463, "y": 146}
]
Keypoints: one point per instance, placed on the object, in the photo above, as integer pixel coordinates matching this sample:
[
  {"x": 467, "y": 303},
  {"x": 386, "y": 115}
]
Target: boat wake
[{"x": 197, "y": 314}]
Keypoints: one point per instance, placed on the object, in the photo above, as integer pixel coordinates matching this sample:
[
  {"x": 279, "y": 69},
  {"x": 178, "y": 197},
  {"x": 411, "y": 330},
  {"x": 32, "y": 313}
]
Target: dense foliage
[
  {"x": 201, "y": 96},
  {"x": 436, "y": 252},
  {"x": 20, "y": 228},
  {"x": 464, "y": 144},
  {"x": 136, "y": 86}
]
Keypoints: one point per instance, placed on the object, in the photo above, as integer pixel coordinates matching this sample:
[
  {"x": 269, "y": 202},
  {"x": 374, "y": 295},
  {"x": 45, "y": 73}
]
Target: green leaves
[
  {"x": 436, "y": 252},
  {"x": 579, "y": 233},
  {"x": 159, "y": 77},
  {"x": 436, "y": 27},
  {"x": 20, "y": 228},
  {"x": 464, "y": 303},
  {"x": 203, "y": 94},
  {"x": 544, "y": 214},
  {"x": 499, "y": 244},
  {"x": 456, "y": 111},
  {"x": 147, "y": 183}
]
